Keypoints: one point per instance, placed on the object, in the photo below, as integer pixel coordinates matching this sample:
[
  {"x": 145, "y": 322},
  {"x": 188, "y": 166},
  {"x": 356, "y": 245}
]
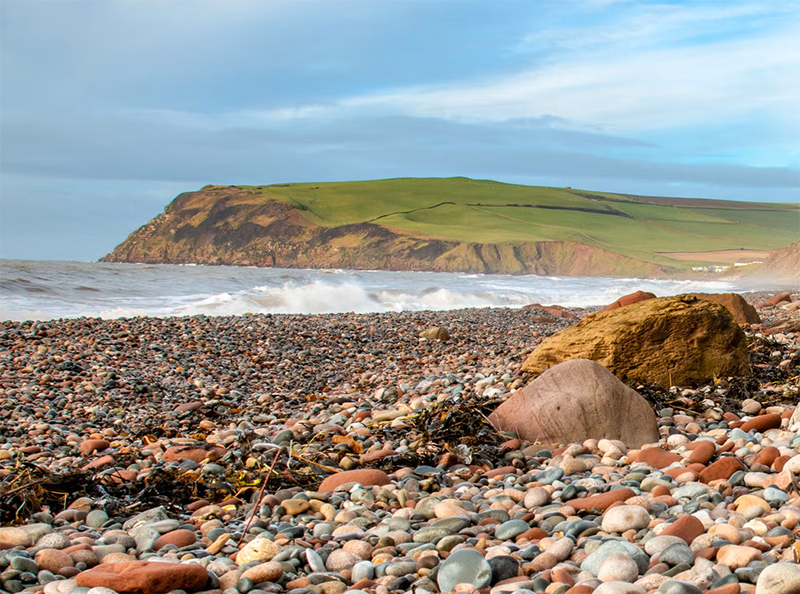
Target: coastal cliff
[
  {"x": 275, "y": 234},
  {"x": 455, "y": 225},
  {"x": 784, "y": 263}
]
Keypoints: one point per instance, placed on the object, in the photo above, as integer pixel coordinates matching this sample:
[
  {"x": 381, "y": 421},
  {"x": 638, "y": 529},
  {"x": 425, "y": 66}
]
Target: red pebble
[
  {"x": 603, "y": 500},
  {"x": 726, "y": 589},
  {"x": 721, "y": 469},
  {"x": 762, "y": 423},
  {"x": 780, "y": 462},
  {"x": 702, "y": 452},
  {"x": 767, "y": 456},
  {"x": 657, "y": 458},
  {"x": 686, "y": 527}
]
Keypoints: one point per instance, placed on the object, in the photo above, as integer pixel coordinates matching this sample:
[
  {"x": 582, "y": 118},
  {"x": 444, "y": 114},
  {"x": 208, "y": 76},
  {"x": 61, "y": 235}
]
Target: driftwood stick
[{"x": 258, "y": 499}]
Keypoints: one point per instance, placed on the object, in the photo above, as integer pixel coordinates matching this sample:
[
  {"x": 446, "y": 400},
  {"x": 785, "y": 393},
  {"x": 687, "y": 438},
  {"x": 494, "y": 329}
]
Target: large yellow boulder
[{"x": 670, "y": 341}]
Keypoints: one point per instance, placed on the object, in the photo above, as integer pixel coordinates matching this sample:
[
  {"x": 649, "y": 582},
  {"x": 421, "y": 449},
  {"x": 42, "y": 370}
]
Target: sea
[{"x": 46, "y": 290}]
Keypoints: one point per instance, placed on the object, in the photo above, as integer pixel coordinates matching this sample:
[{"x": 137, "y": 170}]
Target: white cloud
[{"x": 647, "y": 90}]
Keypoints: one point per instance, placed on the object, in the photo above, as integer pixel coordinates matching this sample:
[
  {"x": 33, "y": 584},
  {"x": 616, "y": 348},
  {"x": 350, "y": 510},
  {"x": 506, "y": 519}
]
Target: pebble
[
  {"x": 464, "y": 566},
  {"x": 259, "y": 549},
  {"x": 618, "y": 568},
  {"x": 622, "y": 518}
]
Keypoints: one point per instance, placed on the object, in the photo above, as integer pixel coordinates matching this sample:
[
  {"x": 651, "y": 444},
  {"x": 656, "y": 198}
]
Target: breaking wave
[{"x": 74, "y": 289}]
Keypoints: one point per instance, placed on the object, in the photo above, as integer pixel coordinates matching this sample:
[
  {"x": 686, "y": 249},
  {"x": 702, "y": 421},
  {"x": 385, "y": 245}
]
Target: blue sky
[{"x": 108, "y": 109}]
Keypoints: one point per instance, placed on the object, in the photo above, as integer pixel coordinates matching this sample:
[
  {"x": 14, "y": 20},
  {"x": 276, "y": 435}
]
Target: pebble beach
[{"x": 345, "y": 453}]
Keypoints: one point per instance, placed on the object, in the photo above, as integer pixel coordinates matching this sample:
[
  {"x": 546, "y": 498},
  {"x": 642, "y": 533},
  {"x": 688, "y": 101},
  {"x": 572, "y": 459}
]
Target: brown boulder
[
  {"x": 575, "y": 401},
  {"x": 742, "y": 312},
  {"x": 147, "y": 577},
  {"x": 785, "y": 297},
  {"x": 435, "y": 333},
  {"x": 666, "y": 341},
  {"x": 629, "y": 299}
]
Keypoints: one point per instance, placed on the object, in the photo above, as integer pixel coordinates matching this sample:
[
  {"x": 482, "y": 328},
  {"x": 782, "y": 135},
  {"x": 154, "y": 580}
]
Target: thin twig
[
  {"x": 258, "y": 499},
  {"x": 307, "y": 461},
  {"x": 23, "y": 487}
]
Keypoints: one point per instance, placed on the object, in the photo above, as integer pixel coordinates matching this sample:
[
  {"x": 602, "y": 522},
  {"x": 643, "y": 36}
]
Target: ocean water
[{"x": 39, "y": 290}]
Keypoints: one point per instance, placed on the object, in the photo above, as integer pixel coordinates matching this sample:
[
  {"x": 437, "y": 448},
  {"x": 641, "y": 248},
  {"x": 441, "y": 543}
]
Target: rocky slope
[
  {"x": 223, "y": 226},
  {"x": 783, "y": 263}
]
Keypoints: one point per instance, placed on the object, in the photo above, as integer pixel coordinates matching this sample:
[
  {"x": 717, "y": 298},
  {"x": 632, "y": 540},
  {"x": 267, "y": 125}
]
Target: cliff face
[
  {"x": 223, "y": 225},
  {"x": 783, "y": 263}
]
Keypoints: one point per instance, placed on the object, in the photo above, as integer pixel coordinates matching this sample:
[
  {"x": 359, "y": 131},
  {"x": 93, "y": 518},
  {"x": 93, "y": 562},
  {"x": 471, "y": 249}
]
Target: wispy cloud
[{"x": 631, "y": 81}]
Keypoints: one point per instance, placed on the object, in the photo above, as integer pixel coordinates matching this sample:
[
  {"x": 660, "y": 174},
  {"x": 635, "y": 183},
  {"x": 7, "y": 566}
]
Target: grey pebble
[
  {"x": 464, "y": 566},
  {"x": 678, "y": 587},
  {"x": 510, "y": 529}
]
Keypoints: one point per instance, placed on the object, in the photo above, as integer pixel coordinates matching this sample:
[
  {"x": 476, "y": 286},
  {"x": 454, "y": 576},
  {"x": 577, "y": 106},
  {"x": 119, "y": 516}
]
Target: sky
[{"x": 110, "y": 108}]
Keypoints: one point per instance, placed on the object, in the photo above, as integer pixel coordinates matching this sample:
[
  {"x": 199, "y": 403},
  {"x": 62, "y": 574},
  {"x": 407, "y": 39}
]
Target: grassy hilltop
[{"x": 458, "y": 224}]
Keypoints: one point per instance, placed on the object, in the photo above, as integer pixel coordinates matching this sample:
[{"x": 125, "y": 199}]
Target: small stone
[
  {"x": 736, "y": 556},
  {"x": 678, "y": 587},
  {"x": 601, "y": 501},
  {"x": 779, "y": 578},
  {"x": 362, "y": 476},
  {"x": 503, "y": 567},
  {"x": 295, "y": 507},
  {"x": 96, "y": 518},
  {"x": 618, "y": 568},
  {"x": 762, "y": 423},
  {"x": 536, "y": 497},
  {"x": 259, "y": 549},
  {"x": 593, "y": 562},
  {"x": 657, "y": 458},
  {"x": 686, "y": 527},
  {"x": 180, "y": 538},
  {"x": 618, "y": 588},
  {"x": 54, "y": 540},
  {"x": 11, "y": 537},
  {"x": 702, "y": 452},
  {"x": 53, "y": 560},
  {"x": 20, "y": 563},
  {"x": 93, "y": 445},
  {"x": 339, "y": 560},
  {"x": 101, "y": 590},
  {"x": 721, "y": 469},
  {"x": 508, "y": 530},
  {"x": 264, "y": 572},
  {"x": 621, "y": 518},
  {"x": 655, "y": 545},
  {"x": 60, "y": 587},
  {"x": 465, "y": 566},
  {"x": 677, "y": 554},
  {"x": 145, "y": 576}
]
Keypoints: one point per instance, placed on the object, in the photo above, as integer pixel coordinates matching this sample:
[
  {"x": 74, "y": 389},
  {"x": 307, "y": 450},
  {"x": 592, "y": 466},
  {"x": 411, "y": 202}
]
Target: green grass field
[{"x": 492, "y": 212}]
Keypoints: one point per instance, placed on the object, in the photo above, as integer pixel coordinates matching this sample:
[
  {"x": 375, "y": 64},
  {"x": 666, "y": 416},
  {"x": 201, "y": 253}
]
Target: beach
[{"x": 189, "y": 453}]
